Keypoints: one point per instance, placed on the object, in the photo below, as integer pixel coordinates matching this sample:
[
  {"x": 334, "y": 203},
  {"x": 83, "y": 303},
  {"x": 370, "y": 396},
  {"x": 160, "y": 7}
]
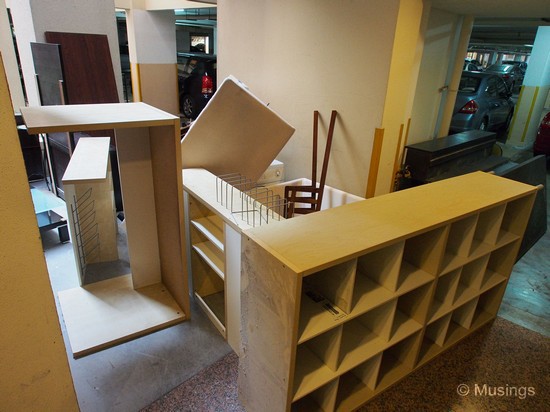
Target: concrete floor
[{"x": 132, "y": 375}]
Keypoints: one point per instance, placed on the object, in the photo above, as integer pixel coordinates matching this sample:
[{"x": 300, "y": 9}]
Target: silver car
[{"x": 483, "y": 102}]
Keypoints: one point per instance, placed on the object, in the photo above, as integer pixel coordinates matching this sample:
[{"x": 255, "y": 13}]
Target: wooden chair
[{"x": 311, "y": 195}]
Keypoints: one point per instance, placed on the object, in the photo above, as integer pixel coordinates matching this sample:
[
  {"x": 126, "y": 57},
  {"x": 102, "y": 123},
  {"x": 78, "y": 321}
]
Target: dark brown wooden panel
[{"x": 87, "y": 67}]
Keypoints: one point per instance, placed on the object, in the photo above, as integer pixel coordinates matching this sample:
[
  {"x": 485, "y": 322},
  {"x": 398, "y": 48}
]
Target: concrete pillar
[
  {"x": 464, "y": 29},
  {"x": 533, "y": 93},
  {"x": 152, "y": 48}
]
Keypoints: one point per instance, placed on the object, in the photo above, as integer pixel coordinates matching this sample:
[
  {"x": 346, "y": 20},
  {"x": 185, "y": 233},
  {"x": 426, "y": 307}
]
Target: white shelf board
[
  {"x": 209, "y": 253},
  {"x": 211, "y": 227}
]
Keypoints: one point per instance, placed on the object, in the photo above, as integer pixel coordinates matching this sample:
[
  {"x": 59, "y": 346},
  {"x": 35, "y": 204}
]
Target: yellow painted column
[
  {"x": 402, "y": 81},
  {"x": 534, "y": 92},
  {"x": 33, "y": 357}
]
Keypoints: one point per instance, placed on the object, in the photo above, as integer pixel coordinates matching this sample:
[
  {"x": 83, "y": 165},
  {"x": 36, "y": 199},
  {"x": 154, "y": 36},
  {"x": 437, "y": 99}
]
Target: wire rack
[{"x": 251, "y": 203}]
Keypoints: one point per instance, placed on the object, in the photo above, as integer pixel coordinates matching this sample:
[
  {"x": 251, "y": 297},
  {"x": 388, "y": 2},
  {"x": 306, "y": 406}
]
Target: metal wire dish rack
[{"x": 252, "y": 203}]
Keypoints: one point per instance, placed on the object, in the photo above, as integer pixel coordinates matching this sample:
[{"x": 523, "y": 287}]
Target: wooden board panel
[
  {"x": 159, "y": 86},
  {"x": 168, "y": 197},
  {"x": 87, "y": 67},
  {"x": 235, "y": 133},
  {"x": 136, "y": 177},
  {"x": 49, "y": 72},
  {"x": 348, "y": 230},
  {"x": 268, "y": 321},
  {"x": 89, "y": 161},
  {"x": 83, "y": 117},
  {"x": 106, "y": 313}
]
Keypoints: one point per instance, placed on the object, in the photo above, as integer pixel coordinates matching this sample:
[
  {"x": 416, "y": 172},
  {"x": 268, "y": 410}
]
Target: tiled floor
[{"x": 132, "y": 375}]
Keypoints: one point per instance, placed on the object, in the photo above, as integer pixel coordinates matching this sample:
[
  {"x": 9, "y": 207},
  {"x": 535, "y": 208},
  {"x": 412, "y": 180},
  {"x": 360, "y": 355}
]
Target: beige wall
[
  {"x": 314, "y": 55},
  {"x": 33, "y": 360}
]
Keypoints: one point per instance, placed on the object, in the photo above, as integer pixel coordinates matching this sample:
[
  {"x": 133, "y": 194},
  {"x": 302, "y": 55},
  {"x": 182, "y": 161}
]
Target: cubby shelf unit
[{"x": 339, "y": 305}]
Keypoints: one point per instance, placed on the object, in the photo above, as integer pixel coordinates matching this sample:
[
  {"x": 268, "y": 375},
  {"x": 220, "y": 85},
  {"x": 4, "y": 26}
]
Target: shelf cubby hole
[
  {"x": 208, "y": 287},
  {"x": 459, "y": 242},
  {"x": 198, "y": 210},
  {"x": 358, "y": 384},
  {"x": 445, "y": 290},
  {"x": 398, "y": 361},
  {"x": 209, "y": 228},
  {"x": 366, "y": 334},
  {"x": 335, "y": 283},
  {"x": 488, "y": 305},
  {"x": 411, "y": 312},
  {"x": 461, "y": 322},
  {"x": 382, "y": 266},
  {"x": 488, "y": 226},
  {"x": 471, "y": 277},
  {"x": 212, "y": 256},
  {"x": 516, "y": 215},
  {"x": 368, "y": 294},
  {"x": 320, "y": 400},
  {"x": 434, "y": 338},
  {"x": 500, "y": 265},
  {"x": 310, "y": 373},
  {"x": 317, "y": 313},
  {"x": 425, "y": 252},
  {"x": 327, "y": 346},
  {"x": 464, "y": 314}
]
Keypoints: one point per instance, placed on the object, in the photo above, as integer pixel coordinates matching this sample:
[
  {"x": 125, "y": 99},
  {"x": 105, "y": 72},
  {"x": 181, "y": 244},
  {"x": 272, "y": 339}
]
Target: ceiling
[{"x": 506, "y": 25}]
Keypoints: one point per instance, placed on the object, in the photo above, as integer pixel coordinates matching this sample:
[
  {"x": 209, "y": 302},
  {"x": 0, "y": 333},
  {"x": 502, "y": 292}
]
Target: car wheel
[
  {"x": 189, "y": 107},
  {"x": 483, "y": 125}
]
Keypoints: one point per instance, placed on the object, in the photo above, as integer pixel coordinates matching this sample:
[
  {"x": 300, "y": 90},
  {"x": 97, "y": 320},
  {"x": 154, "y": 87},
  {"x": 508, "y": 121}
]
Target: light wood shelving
[
  {"x": 339, "y": 305},
  {"x": 149, "y": 160}
]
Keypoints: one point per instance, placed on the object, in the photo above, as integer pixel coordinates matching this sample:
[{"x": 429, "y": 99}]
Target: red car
[{"x": 542, "y": 141}]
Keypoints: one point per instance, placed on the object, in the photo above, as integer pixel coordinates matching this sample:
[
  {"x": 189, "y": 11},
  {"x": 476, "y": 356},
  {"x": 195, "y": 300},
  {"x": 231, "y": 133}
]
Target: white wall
[
  {"x": 308, "y": 55},
  {"x": 7, "y": 50},
  {"x": 34, "y": 17},
  {"x": 438, "y": 42}
]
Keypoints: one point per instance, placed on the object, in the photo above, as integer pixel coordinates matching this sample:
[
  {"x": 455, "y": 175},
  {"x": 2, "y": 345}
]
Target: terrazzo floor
[{"x": 502, "y": 367}]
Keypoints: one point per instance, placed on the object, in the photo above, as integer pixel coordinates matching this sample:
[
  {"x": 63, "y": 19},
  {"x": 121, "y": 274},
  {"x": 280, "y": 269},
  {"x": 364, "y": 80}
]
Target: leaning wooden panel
[
  {"x": 235, "y": 133},
  {"x": 136, "y": 179},
  {"x": 268, "y": 321},
  {"x": 168, "y": 195},
  {"x": 83, "y": 117}
]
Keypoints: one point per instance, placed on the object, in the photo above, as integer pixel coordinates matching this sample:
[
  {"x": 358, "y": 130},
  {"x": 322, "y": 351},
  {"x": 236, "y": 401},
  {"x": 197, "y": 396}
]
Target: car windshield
[
  {"x": 499, "y": 68},
  {"x": 469, "y": 84}
]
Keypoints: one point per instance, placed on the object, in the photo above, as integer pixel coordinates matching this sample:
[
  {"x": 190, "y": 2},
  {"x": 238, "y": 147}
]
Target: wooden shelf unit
[
  {"x": 149, "y": 157},
  {"x": 214, "y": 239},
  {"x": 339, "y": 305}
]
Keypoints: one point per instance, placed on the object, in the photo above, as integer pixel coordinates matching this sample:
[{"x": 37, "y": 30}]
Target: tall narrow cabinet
[
  {"x": 149, "y": 156},
  {"x": 339, "y": 305}
]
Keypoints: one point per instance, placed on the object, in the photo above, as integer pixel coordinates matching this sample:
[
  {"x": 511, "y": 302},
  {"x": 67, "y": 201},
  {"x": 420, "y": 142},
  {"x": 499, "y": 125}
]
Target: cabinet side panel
[
  {"x": 168, "y": 194},
  {"x": 233, "y": 287},
  {"x": 135, "y": 167},
  {"x": 270, "y": 305}
]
